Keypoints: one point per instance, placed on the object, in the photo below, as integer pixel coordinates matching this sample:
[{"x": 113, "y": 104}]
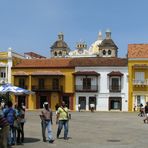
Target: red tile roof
[
  {"x": 89, "y": 73},
  {"x": 138, "y": 51},
  {"x": 71, "y": 62},
  {"x": 115, "y": 73}
]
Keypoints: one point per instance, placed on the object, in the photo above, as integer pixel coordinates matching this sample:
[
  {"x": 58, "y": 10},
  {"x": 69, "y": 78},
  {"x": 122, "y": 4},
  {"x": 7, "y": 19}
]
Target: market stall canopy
[{"x": 9, "y": 88}]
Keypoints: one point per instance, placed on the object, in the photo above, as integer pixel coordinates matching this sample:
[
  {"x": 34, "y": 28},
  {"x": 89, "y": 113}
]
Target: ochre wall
[{"x": 131, "y": 73}]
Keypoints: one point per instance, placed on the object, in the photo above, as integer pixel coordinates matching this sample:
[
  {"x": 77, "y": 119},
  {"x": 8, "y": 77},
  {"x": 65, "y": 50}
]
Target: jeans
[
  {"x": 12, "y": 135},
  {"x": 60, "y": 126},
  {"x": 46, "y": 124}
]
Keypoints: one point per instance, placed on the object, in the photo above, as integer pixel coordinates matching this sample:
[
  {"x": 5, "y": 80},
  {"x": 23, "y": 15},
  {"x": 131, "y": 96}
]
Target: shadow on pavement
[{"x": 31, "y": 140}]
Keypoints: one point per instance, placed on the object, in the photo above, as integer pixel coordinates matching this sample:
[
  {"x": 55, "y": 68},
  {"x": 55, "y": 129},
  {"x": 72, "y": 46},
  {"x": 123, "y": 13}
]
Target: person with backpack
[
  {"x": 46, "y": 122},
  {"x": 10, "y": 115},
  {"x": 62, "y": 120}
]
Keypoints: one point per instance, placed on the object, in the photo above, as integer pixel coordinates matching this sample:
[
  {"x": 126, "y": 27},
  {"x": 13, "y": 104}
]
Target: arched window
[
  {"x": 109, "y": 52},
  {"x": 104, "y": 52},
  {"x": 60, "y": 53},
  {"x": 55, "y": 54}
]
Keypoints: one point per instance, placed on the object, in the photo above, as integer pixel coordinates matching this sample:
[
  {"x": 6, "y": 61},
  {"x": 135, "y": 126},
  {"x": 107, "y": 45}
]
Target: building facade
[
  {"x": 138, "y": 75},
  {"x": 7, "y": 60},
  {"x": 104, "y": 83},
  {"x": 50, "y": 79}
]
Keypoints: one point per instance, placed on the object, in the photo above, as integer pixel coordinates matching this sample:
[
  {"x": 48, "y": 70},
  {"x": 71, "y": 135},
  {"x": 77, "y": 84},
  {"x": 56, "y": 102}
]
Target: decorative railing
[{"x": 140, "y": 82}]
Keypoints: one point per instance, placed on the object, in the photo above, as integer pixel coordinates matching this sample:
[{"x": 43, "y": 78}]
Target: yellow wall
[
  {"x": 67, "y": 82},
  {"x": 131, "y": 72}
]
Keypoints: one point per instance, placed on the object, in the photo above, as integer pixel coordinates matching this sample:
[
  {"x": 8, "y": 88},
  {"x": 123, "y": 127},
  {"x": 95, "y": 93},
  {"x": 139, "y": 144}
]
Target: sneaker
[
  {"x": 44, "y": 140},
  {"x": 66, "y": 138},
  {"x": 51, "y": 141}
]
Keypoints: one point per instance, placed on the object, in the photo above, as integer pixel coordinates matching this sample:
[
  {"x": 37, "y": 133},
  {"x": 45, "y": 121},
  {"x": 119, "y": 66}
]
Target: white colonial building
[{"x": 105, "y": 86}]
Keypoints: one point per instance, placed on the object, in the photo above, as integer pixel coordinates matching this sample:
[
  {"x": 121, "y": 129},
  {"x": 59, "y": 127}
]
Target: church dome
[
  {"x": 60, "y": 43},
  {"x": 94, "y": 48}
]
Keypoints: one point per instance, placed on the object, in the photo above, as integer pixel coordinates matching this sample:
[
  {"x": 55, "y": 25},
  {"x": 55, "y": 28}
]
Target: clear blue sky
[{"x": 33, "y": 25}]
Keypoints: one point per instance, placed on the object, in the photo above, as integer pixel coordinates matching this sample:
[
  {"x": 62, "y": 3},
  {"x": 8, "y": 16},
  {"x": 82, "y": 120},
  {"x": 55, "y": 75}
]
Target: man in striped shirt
[{"x": 4, "y": 126}]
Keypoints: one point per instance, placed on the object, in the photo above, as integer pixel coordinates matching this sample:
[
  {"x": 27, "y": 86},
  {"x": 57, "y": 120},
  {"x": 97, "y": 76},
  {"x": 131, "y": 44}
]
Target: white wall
[{"x": 103, "y": 84}]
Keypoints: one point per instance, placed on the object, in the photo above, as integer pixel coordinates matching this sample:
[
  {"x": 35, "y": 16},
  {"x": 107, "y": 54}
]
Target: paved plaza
[{"x": 91, "y": 130}]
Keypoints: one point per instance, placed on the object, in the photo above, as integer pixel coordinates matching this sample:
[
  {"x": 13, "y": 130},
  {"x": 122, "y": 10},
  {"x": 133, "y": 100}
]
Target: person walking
[
  {"x": 146, "y": 113},
  {"x": 141, "y": 111},
  {"x": 10, "y": 115},
  {"x": 4, "y": 132},
  {"x": 62, "y": 120},
  {"x": 21, "y": 121},
  {"x": 46, "y": 122},
  {"x": 79, "y": 107}
]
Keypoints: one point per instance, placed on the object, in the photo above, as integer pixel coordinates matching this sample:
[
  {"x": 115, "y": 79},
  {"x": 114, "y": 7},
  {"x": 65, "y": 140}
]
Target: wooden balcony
[
  {"x": 115, "y": 88},
  {"x": 81, "y": 88},
  {"x": 47, "y": 88}
]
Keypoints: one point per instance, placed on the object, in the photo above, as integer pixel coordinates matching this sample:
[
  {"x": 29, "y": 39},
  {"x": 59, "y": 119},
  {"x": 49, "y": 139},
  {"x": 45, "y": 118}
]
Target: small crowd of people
[
  {"x": 12, "y": 121},
  {"x": 143, "y": 112},
  {"x": 62, "y": 118}
]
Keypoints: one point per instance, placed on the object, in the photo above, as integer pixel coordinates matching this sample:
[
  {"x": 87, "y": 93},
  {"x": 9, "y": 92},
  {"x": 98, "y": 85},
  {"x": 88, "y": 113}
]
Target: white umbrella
[{"x": 9, "y": 88}]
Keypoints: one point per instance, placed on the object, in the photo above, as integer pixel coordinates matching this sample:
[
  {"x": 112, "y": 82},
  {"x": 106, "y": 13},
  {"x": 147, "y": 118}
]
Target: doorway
[
  {"x": 42, "y": 100},
  {"x": 82, "y": 102},
  {"x": 115, "y": 103},
  {"x": 92, "y": 100}
]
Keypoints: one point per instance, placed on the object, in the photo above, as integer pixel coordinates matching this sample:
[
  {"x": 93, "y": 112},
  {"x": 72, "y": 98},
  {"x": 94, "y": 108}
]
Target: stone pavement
[{"x": 91, "y": 130}]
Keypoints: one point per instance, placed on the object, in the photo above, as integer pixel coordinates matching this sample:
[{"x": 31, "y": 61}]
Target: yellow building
[
  {"x": 138, "y": 75},
  {"x": 50, "y": 79}
]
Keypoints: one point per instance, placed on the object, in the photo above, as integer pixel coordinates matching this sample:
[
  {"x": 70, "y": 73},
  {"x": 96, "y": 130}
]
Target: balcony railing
[
  {"x": 46, "y": 88},
  {"x": 81, "y": 88},
  {"x": 140, "y": 82},
  {"x": 115, "y": 88}
]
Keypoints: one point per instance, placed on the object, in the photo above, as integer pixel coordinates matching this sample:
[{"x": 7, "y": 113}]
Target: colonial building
[
  {"x": 138, "y": 75},
  {"x": 50, "y": 79},
  {"x": 7, "y": 60},
  {"x": 60, "y": 48},
  {"x": 102, "y": 81}
]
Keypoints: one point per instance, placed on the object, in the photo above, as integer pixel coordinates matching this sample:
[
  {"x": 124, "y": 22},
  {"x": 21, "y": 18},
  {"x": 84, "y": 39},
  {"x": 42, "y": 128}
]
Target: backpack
[{"x": 10, "y": 116}]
